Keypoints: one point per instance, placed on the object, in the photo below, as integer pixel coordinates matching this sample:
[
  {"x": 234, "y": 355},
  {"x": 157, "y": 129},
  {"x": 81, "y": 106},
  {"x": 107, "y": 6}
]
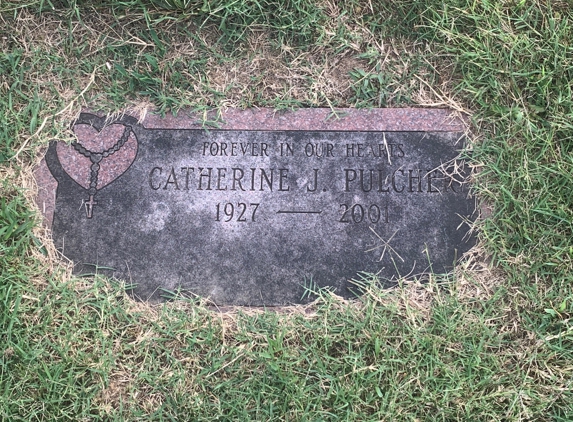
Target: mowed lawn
[{"x": 491, "y": 342}]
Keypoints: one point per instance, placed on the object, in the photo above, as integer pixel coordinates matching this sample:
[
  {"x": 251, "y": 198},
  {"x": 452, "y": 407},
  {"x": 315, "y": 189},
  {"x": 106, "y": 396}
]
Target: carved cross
[{"x": 89, "y": 206}]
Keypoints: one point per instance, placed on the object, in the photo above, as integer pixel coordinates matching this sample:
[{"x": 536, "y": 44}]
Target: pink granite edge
[
  {"x": 373, "y": 120},
  {"x": 343, "y": 119},
  {"x": 46, "y": 198}
]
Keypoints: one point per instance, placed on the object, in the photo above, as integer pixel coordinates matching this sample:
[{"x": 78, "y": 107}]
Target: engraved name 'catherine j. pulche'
[{"x": 277, "y": 179}]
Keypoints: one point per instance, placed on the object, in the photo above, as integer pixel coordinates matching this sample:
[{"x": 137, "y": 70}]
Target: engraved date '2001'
[{"x": 359, "y": 213}]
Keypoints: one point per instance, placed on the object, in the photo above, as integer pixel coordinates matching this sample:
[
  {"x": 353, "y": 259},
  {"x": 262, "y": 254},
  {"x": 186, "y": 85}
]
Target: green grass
[{"x": 482, "y": 344}]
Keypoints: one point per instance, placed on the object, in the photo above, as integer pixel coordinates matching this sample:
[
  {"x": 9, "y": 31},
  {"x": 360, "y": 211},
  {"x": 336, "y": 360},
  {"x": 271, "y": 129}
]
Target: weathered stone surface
[{"x": 252, "y": 217}]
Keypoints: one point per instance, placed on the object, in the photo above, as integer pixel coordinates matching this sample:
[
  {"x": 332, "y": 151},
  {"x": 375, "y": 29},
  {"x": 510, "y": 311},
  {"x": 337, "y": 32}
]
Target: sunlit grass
[{"x": 482, "y": 344}]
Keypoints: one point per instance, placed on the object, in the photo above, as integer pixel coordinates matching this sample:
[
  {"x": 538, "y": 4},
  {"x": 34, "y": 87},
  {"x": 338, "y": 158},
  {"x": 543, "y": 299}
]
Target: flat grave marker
[{"x": 260, "y": 209}]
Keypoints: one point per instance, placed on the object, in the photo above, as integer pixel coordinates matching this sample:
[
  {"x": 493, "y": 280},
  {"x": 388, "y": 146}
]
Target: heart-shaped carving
[{"x": 78, "y": 166}]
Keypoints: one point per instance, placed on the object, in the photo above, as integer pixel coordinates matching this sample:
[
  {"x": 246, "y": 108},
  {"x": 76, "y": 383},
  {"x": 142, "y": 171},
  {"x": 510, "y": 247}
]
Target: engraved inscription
[
  {"x": 358, "y": 213},
  {"x": 228, "y": 211}
]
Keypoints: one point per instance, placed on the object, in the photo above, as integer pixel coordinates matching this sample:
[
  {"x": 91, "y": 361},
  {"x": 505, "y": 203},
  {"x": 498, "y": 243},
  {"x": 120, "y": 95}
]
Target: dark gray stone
[{"x": 254, "y": 217}]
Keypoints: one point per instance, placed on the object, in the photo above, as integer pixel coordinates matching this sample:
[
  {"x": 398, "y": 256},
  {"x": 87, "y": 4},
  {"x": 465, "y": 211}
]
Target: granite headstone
[{"x": 267, "y": 206}]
